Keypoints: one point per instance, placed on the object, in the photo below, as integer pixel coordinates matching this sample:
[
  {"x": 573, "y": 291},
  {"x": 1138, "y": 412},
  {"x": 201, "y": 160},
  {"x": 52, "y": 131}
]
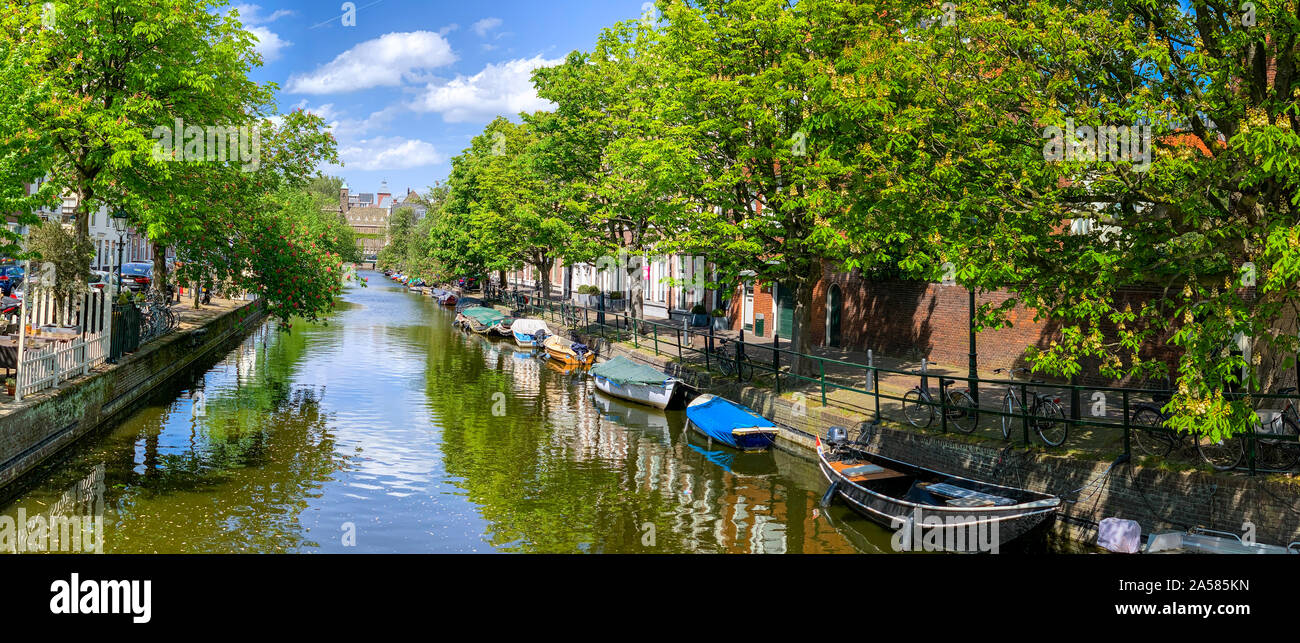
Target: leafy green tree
[
  {"x": 49, "y": 243},
  {"x": 1190, "y": 238},
  {"x": 101, "y": 76},
  {"x": 400, "y": 226},
  {"x": 755, "y": 113},
  {"x": 501, "y": 211},
  {"x": 614, "y": 172}
]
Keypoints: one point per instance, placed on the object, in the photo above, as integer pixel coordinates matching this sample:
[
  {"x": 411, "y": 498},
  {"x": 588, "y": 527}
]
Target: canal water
[{"x": 387, "y": 430}]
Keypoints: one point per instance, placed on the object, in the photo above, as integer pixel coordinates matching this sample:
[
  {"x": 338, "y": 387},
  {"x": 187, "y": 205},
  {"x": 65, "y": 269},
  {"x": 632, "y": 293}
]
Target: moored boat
[
  {"x": 622, "y": 377},
  {"x": 929, "y": 505},
  {"x": 445, "y": 297},
  {"x": 732, "y": 424},
  {"x": 502, "y": 328},
  {"x": 567, "y": 352},
  {"x": 479, "y": 319},
  {"x": 529, "y": 332}
]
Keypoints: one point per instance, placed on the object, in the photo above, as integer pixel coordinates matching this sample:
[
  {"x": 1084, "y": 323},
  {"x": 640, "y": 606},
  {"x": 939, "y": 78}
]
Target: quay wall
[
  {"x": 1156, "y": 498},
  {"x": 46, "y": 423}
]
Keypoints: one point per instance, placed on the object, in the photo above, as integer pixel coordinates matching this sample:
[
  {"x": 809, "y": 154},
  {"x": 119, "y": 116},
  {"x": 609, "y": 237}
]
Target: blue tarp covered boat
[{"x": 732, "y": 424}]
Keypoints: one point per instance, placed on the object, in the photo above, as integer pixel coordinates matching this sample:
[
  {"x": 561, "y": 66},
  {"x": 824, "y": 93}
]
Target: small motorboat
[
  {"x": 732, "y": 424},
  {"x": 622, "y": 377},
  {"x": 929, "y": 505},
  {"x": 529, "y": 332},
  {"x": 568, "y": 352},
  {"x": 445, "y": 298}
]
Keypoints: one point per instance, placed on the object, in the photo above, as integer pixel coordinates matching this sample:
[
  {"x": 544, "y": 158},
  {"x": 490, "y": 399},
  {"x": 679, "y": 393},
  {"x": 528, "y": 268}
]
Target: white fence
[{"x": 44, "y": 364}]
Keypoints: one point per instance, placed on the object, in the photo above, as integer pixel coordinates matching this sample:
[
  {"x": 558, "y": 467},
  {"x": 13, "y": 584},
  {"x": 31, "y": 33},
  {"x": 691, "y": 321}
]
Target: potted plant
[
  {"x": 719, "y": 319},
  {"x": 616, "y": 300},
  {"x": 10, "y": 385},
  {"x": 699, "y": 315}
]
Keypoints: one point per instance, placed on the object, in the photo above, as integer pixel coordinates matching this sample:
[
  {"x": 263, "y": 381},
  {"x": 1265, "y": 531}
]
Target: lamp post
[{"x": 119, "y": 224}]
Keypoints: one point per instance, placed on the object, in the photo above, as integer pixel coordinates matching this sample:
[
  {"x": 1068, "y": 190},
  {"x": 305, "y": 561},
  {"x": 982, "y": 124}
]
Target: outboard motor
[{"x": 837, "y": 436}]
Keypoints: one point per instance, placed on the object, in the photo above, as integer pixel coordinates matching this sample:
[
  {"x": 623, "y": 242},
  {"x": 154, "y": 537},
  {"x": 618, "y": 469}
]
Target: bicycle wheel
[
  {"x": 1222, "y": 454},
  {"x": 726, "y": 365},
  {"x": 917, "y": 409},
  {"x": 1278, "y": 455},
  {"x": 963, "y": 413},
  {"x": 1008, "y": 418},
  {"x": 1049, "y": 422},
  {"x": 1148, "y": 435},
  {"x": 745, "y": 368}
]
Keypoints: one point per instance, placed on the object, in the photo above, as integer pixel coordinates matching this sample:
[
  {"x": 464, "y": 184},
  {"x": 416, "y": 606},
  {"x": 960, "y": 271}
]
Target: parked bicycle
[
  {"x": 1046, "y": 415},
  {"x": 919, "y": 405},
  {"x": 1153, "y": 436},
  {"x": 156, "y": 316},
  {"x": 733, "y": 362}
]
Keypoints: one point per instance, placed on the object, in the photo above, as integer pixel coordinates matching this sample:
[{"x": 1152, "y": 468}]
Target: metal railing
[{"x": 1111, "y": 414}]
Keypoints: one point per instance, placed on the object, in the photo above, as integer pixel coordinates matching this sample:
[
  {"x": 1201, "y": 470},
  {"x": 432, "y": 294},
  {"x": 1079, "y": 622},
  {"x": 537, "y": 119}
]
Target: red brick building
[{"x": 906, "y": 318}]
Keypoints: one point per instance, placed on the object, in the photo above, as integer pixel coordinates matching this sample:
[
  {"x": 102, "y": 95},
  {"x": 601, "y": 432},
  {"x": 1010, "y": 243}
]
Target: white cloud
[
  {"x": 389, "y": 153},
  {"x": 381, "y": 62},
  {"x": 500, "y": 89},
  {"x": 448, "y": 29},
  {"x": 251, "y": 14},
  {"x": 485, "y": 25},
  {"x": 349, "y": 129},
  {"x": 269, "y": 43}
]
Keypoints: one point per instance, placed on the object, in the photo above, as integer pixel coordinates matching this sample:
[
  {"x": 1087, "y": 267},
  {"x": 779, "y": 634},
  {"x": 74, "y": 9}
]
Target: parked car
[
  {"x": 100, "y": 279},
  {"x": 137, "y": 275},
  {"x": 11, "y": 278}
]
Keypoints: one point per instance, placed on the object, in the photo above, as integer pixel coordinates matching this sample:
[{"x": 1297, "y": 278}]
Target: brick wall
[
  {"x": 914, "y": 319},
  {"x": 762, "y": 306}
]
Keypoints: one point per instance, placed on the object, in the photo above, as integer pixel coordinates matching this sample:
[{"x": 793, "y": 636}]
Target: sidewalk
[{"x": 1097, "y": 442}]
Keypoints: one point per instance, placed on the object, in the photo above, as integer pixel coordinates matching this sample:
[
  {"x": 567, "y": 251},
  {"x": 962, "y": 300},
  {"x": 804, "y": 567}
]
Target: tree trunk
[
  {"x": 198, "y": 287},
  {"x": 82, "y": 215},
  {"x": 160, "y": 276},
  {"x": 801, "y": 333},
  {"x": 544, "y": 268},
  {"x": 1271, "y": 366}
]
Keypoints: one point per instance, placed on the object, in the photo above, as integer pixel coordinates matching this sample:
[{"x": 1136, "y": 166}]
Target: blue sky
[{"x": 408, "y": 86}]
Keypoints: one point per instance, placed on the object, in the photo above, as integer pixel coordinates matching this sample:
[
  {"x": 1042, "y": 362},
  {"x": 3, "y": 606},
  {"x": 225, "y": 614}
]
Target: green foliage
[{"x": 51, "y": 243}]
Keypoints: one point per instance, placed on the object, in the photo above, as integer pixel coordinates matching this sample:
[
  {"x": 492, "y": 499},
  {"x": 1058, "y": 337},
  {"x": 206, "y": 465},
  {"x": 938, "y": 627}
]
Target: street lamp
[{"x": 119, "y": 224}]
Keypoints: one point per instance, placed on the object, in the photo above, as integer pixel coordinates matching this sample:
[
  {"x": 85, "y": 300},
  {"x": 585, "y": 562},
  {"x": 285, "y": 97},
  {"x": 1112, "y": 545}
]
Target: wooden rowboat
[
  {"x": 567, "y": 352},
  {"x": 917, "y": 501}
]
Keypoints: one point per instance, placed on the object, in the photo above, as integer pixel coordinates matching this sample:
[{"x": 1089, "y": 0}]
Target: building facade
[{"x": 368, "y": 220}]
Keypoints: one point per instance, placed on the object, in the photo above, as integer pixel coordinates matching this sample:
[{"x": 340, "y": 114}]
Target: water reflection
[{"x": 422, "y": 438}]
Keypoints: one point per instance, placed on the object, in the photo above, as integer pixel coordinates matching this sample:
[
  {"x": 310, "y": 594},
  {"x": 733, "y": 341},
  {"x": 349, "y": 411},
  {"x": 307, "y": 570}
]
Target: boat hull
[
  {"x": 1012, "y": 521},
  {"x": 569, "y": 358},
  {"x": 525, "y": 340},
  {"x": 658, "y": 396}
]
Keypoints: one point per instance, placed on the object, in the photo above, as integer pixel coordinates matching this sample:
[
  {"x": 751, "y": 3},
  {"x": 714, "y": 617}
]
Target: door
[
  {"x": 785, "y": 311},
  {"x": 834, "y": 311},
  {"x": 748, "y": 309}
]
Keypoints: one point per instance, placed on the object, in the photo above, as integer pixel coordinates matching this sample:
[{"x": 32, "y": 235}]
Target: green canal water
[{"x": 387, "y": 430}]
